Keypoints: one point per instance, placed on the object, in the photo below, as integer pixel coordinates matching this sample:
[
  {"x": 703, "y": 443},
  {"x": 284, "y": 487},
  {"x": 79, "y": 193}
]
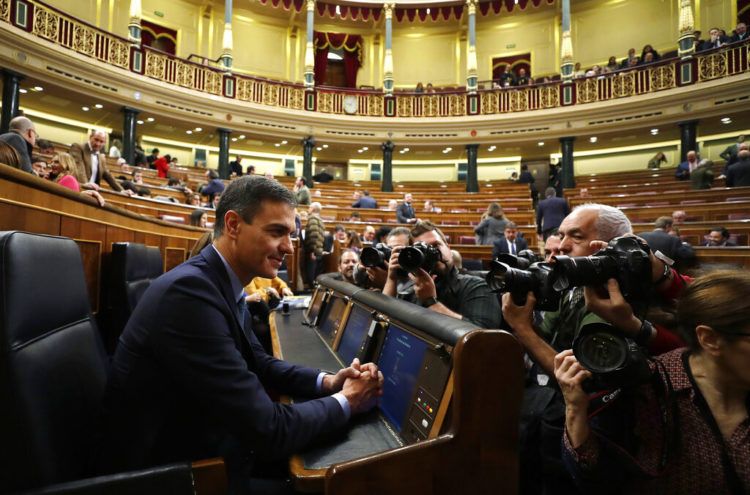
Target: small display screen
[
  {"x": 400, "y": 361},
  {"x": 354, "y": 334},
  {"x": 331, "y": 318},
  {"x": 315, "y": 304}
]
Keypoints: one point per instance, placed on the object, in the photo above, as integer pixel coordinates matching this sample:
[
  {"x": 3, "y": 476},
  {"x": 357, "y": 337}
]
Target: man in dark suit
[
  {"x": 510, "y": 243},
  {"x": 738, "y": 175},
  {"x": 405, "y": 211},
  {"x": 22, "y": 136},
  {"x": 660, "y": 239},
  {"x": 236, "y": 166},
  {"x": 92, "y": 164},
  {"x": 716, "y": 40},
  {"x": 740, "y": 32},
  {"x": 189, "y": 377},
  {"x": 550, "y": 212},
  {"x": 365, "y": 201}
]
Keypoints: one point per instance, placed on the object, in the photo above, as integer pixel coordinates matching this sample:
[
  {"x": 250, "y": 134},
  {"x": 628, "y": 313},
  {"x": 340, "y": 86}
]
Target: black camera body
[
  {"x": 625, "y": 259},
  {"x": 614, "y": 360},
  {"x": 419, "y": 255},
  {"x": 523, "y": 278},
  {"x": 377, "y": 255}
]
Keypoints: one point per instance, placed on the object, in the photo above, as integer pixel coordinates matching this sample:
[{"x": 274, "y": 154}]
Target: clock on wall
[{"x": 350, "y": 104}]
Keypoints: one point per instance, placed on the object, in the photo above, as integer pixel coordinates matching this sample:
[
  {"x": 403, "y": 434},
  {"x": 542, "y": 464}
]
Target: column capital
[
  {"x": 472, "y": 6},
  {"x": 387, "y": 146},
  {"x": 310, "y": 5},
  {"x": 388, "y": 10},
  {"x": 308, "y": 142},
  {"x": 223, "y": 130},
  {"x": 130, "y": 110}
]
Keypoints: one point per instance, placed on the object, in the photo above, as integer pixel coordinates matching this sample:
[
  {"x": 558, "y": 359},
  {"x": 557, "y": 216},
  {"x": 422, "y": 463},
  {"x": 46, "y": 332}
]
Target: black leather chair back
[
  {"x": 53, "y": 367},
  {"x": 132, "y": 268}
]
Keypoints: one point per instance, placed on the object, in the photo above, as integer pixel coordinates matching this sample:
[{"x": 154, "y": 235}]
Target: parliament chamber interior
[{"x": 455, "y": 184}]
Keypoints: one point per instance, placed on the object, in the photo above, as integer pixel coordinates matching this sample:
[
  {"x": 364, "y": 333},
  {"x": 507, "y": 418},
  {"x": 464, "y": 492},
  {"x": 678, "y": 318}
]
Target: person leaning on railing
[{"x": 686, "y": 430}]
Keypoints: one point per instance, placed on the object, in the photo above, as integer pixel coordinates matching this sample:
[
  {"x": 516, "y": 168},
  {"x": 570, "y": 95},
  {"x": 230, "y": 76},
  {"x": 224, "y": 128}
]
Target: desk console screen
[
  {"x": 330, "y": 320},
  {"x": 355, "y": 335},
  {"x": 415, "y": 373}
]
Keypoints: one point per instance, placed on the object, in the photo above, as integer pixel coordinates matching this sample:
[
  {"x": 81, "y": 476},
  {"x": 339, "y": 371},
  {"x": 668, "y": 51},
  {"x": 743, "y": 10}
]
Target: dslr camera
[
  {"x": 419, "y": 255},
  {"x": 522, "y": 274},
  {"x": 614, "y": 359},
  {"x": 374, "y": 256},
  {"x": 625, "y": 259}
]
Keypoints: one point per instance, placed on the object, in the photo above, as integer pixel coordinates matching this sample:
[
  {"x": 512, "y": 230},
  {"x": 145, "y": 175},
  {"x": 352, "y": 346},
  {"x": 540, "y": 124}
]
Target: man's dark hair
[
  {"x": 237, "y": 157},
  {"x": 400, "y": 231},
  {"x": 168, "y": 158},
  {"x": 246, "y": 196},
  {"x": 366, "y": 192},
  {"x": 155, "y": 150},
  {"x": 722, "y": 230},
  {"x": 423, "y": 226},
  {"x": 212, "y": 174},
  {"x": 524, "y": 167},
  {"x": 339, "y": 228},
  {"x": 550, "y": 192},
  {"x": 173, "y": 181},
  {"x": 195, "y": 217},
  {"x": 44, "y": 144}
]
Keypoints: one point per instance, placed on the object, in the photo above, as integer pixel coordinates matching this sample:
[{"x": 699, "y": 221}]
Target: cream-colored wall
[
  {"x": 621, "y": 161},
  {"x": 413, "y": 48},
  {"x": 358, "y": 171},
  {"x": 410, "y": 173},
  {"x": 531, "y": 32},
  {"x": 714, "y": 13},
  {"x": 498, "y": 171}
]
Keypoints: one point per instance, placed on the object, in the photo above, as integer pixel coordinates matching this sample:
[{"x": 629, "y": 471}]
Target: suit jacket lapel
[{"x": 238, "y": 330}]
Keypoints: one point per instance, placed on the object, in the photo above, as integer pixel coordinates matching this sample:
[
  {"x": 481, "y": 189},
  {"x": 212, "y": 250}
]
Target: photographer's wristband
[
  {"x": 430, "y": 301},
  {"x": 643, "y": 337}
]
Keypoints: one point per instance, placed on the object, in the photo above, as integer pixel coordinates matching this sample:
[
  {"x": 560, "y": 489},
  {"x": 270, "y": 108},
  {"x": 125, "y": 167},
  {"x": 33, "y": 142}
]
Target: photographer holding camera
[
  {"x": 686, "y": 429},
  {"x": 372, "y": 271},
  {"x": 437, "y": 283},
  {"x": 584, "y": 232}
]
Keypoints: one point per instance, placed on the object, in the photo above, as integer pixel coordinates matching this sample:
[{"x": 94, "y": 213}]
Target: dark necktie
[
  {"x": 242, "y": 310},
  {"x": 513, "y": 247}
]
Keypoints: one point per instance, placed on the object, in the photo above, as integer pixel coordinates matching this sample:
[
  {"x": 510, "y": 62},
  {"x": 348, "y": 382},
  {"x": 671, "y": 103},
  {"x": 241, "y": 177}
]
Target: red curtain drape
[{"x": 351, "y": 44}]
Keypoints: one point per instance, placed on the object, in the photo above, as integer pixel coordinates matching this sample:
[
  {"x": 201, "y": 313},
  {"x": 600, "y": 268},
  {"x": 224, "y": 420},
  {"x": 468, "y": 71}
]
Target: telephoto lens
[
  {"x": 377, "y": 255},
  {"x": 582, "y": 270},
  {"x": 504, "y": 278},
  {"x": 418, "y": 255}
]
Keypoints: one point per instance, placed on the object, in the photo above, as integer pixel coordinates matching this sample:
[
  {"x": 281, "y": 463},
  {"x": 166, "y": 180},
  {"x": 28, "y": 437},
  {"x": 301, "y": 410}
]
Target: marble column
[
  {"x": 308, "y": 144},
  {"x": 686, "y": 41},
  {"x": 227, "y": 43},
  {"x": 471, "y": 48},
  {"x": 568, "y": 171},
  {"x": 11, "y": 98},
  {"x": 472, "y": 182},
  {"x": 386, "y": 184},
  {"x": 224, "y": 152},
  {"x": 134, "y": 25},
  {"x": 128, "y": 134},
  {"x": 388, "y": 57},
  {"x": 309, "y": 48},
  {"x": 566, "y": 45},
  {"x": 688, "y": 138}
]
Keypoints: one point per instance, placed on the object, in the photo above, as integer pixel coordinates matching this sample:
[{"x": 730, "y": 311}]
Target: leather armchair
[{"x": 53, "y": 372}]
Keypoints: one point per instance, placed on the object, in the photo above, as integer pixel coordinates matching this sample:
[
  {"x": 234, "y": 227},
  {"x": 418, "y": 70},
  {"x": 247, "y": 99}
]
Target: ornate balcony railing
[{"x": 52, "y": 25}]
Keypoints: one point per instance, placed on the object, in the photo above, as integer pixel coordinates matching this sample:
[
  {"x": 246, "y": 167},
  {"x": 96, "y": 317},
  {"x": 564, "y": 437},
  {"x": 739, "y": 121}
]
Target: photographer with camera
[
  {"x": 584, "y": 232},
  {"x": 372, "y": 271},
  {"x": 685, "y": 429},
  {"x": 437, "y": 283}
]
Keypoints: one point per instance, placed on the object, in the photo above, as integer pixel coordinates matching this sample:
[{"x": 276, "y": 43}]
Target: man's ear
[{"x": 232, "y": 223}]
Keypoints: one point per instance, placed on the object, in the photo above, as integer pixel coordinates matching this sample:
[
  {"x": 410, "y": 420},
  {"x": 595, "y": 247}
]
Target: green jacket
[
  {"x": 303, "y": 196},
  {"x": 702, "y": 178}
]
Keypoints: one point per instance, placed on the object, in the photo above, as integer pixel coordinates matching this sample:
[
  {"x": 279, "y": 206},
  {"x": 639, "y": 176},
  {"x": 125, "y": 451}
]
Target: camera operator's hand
[
  {"x": 612, "y": 307},
  {"x": 570, "y": 376},
  {"x": 377, "y": 276},
  {"x": 287, "y": 292},
  {"x": 393, "y": 263},
  {"x": 519, "y": 318},
  {"x": 424, "y": 285},
  {"x": 273, "y": 293}
]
